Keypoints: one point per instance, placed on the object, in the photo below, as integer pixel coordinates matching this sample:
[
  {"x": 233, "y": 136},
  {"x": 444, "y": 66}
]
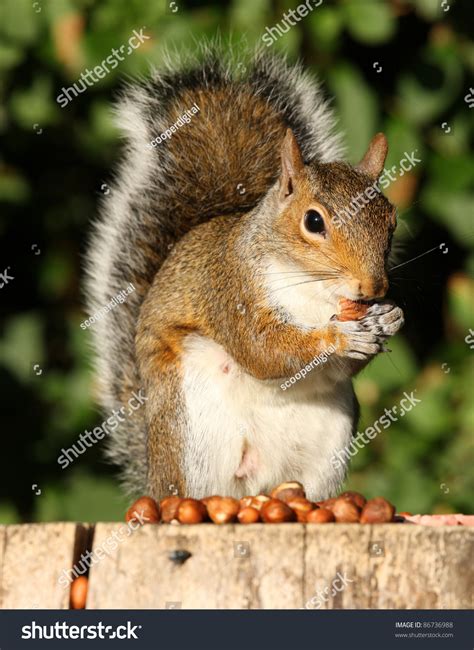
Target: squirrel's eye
[{"x": 313, "y": 222}]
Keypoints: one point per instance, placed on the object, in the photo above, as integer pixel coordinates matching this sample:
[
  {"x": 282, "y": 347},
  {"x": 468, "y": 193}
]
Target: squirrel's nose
[{"x": 373, "y": 288}]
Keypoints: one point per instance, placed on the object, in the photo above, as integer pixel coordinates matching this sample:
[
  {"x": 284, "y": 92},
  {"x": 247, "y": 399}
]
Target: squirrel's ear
[
  {"x": 291, "y": 164},
  {"x": 373, "y": 161}
]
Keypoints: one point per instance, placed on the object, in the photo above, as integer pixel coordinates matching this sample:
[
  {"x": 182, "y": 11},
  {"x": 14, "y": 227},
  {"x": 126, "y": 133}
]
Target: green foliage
[{"x": 55, "y": 160}]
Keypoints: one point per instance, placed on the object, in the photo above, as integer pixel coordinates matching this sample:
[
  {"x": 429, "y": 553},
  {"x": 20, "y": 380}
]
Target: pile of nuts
[{"x": 286, "y": 503}]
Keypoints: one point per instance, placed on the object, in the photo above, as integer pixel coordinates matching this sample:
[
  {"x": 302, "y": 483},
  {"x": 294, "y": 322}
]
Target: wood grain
[
  {"x": 230, "y": 567},
  {"x": 31, "y": 562},
  {"x": 390, "y": 566},
  {"x": 287, "y": 566}
]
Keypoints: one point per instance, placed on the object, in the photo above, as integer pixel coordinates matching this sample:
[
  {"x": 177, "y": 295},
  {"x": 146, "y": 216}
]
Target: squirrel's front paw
[
  {"x": 364, "y": 338},
  {"x": 358, "y": 342},
  {"x": 383, "y": 319}
]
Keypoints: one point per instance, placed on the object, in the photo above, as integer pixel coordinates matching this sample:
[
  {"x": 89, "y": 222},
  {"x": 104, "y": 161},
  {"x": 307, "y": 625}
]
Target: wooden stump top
[{"x": 260, "y": 566}]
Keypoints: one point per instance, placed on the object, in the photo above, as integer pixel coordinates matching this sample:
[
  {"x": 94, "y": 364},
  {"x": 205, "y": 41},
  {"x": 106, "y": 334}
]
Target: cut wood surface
[
  {"x": 230, "y": 567},
  {"x": 260, "y": 566},
  {"x": 32, "y": 558}
]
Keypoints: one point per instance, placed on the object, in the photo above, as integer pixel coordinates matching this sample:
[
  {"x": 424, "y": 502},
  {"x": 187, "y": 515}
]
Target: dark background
[{"x": 53, "y": 165}]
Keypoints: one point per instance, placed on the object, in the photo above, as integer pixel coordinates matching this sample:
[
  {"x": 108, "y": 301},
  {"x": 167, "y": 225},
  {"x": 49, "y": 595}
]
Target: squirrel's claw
[{"x": 367, "y": 337}]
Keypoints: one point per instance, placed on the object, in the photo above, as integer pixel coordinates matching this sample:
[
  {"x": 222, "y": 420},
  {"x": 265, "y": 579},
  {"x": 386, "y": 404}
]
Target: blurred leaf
[
  {"x": 452, "y": 173},
  {"x": 13, "y": 188},
  {"x": 55, "y": 9},
  {"x": 9, "y": 56},
  {"x": 34, "y": 105},
  {"x": 22, "y": 344},
  {"x": 431, "y": 419},
  {"x": 56, "y": 273},
  {"x": 392, "y": 370},
  {"x": 452, "y": 209},
  {"x": 429, "y": 9},
  {"x": 356, "y": 107},
  {"x": 461, "y": 301},
  {"x": 371, "y": 22},
  {"x": 84, "y": 498},
  {"x": 325, "y": 26},
  {"x": 19, "y": 21},
  {"x": 403, "y": 138},
  {"x": 8, "y": 514},
  {"x": 250, "y": 16}
]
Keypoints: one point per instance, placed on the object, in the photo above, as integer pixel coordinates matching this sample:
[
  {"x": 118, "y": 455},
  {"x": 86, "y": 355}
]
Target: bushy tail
[{"x": 223, "y": 160}]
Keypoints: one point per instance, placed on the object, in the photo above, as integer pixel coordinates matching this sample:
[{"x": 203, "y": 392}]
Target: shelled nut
[
  {"x": 223, "y": 510},
  {"x": 248, "y": 515},
  {"x": 276, "y": 512},
  {"x": 78, "y": 594},
  {"x": 377, "y": 511},
  {"x": 191, "y": 511},
  {"x": 320, "y": 516},
  {"x": 287, "y": 491},
  {"x": 144, "y": 510},
  {"x": 169, "y": 508},
  {"x": 301, "y": 507},
  {"x": 356, "y": 497},
  {"x": 345, "y": 512}
]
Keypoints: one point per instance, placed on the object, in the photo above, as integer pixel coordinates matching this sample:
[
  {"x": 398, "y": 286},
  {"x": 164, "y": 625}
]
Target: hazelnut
[
  {"x": 289, "y": 490},
  {"x": 191, "y": 511},
  {"x": 276, "y": 512},
  {"x": 223, "y": 510},
  {"x": 206, "y": 500},
  {"x": 345, "y": 512},
  {"x": 351, "y": 309},
  {"x": 320, "y": 516},
  {"x": 258, "y": 501},
  {"x": 78, "y": 594},
  {"x": 377, "y": 511},
  {"x": 245, "y": 502},
  {"x": 301, "y": 507},
  {"x": 327, "y": 503},
  {"x": 356, "y": 497},
  {"x": 169, "y": 508},
  {"x": 145, "y": 510},
  {"x": 248, "y": 515}
]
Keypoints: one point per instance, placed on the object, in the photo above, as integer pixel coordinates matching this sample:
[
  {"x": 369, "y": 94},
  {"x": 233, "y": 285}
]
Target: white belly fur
[{"x": 290, "y": 434}]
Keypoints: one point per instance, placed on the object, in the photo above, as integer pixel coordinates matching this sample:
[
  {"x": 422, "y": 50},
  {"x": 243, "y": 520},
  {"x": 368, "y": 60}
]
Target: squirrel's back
[{"x": 219, "y": 160}]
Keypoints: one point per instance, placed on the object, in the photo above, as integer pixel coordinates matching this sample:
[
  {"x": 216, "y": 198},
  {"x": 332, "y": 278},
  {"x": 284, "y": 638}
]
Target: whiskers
[{"x": 297, "y": 284}]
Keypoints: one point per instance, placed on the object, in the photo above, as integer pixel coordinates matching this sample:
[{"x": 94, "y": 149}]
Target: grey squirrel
[{"x": 224, "y": 227}]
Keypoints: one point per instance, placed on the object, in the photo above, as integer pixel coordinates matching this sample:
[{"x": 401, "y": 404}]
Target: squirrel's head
[{"x": 333, "y": 222}]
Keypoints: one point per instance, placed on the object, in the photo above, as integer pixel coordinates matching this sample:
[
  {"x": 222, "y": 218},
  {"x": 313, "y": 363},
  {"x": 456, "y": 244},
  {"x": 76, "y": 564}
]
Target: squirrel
[{"x": 223, "y": 224}]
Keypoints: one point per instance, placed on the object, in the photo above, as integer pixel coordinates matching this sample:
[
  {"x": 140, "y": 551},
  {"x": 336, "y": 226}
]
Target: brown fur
[
  {"x": 204, "y": 194},
  {"x": 214, "y": 268}
]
